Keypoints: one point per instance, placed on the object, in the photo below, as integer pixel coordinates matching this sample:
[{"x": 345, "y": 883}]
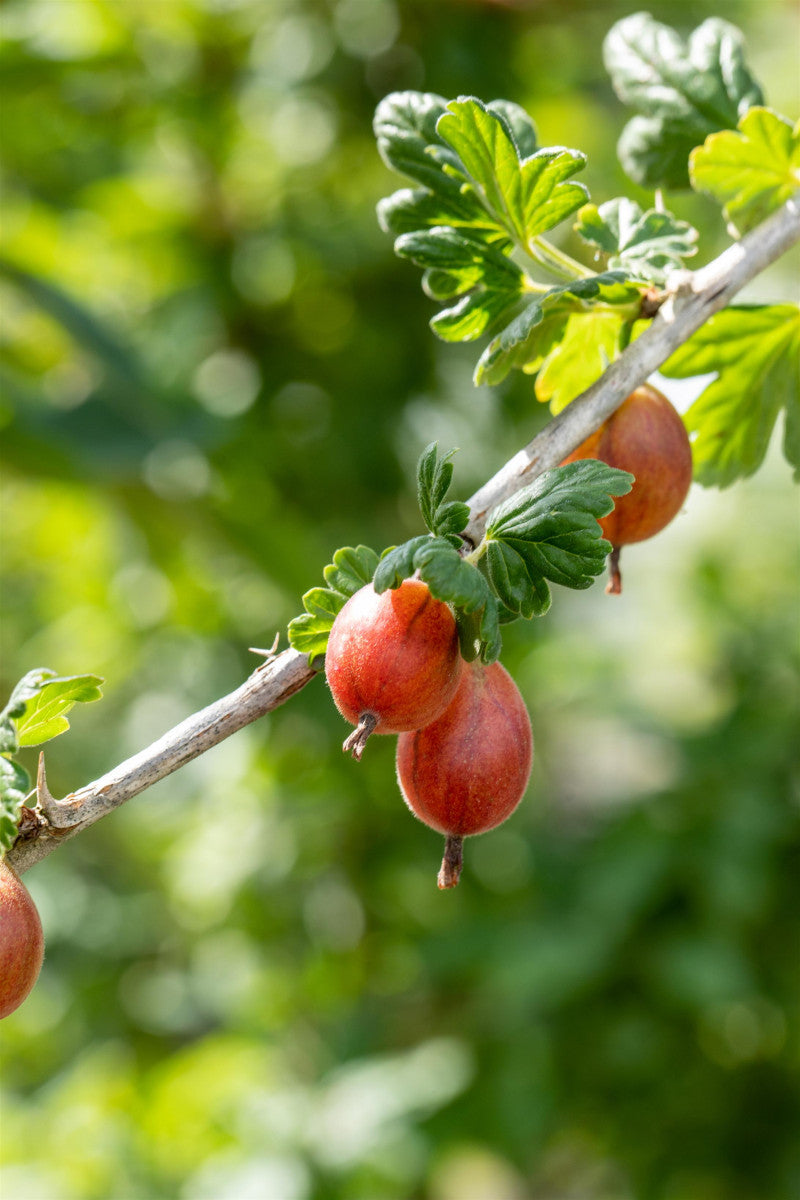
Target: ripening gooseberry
[
  {"x": 467, "y": 771},
  {"x": 393, "y": 661},
  {"x": 647, "y": 437}
]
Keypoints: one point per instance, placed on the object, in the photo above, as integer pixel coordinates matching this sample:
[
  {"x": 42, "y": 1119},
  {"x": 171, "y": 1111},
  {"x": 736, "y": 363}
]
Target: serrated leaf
[
  {"x": 488, "y": 283},
  {"x": 449, "y": 576},
  {"x": 451, "y": 518},
  {"x": 756, "y": 353},
  {"x": 309, "y": 635},
  {"x": 434, "y": 474},
  {"x": 519, "y": 125},
  {"x": 412, "y": 209},
  {"x": 526, "y": 341},
  {"x": 526, "y": 196},
  {"x": 553, "y": 524},
  {"x": 405, "y": 130},
  {"x": 397, "y": 564},
  {"x": 15, "y": 785},
  {"x": 591, "y": 340},
  {"x": 323, "y": 602},
  {"x": 751, "y": 172},
  {"x": 352, "y": 568},
  {"x": 683, "y": 91},
  {"x": 39, "y": 704},
  {"x": 508, "y": 575},
  {"x": 646, "y": 244}
]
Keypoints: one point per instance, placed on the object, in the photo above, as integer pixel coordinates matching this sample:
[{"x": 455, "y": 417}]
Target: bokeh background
[{"x": 214, "y": 373}]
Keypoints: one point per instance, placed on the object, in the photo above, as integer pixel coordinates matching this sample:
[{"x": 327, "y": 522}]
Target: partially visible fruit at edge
[{"x": 21, "y": 941}]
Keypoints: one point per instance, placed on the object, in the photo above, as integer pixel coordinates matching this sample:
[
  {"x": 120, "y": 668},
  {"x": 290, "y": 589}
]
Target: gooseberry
[
  {"x": 392, "y": 662},
  {"x": 647, "y": 437},
  {"x": 467, "y": 771},
  {"x": 21, "y": 941}
]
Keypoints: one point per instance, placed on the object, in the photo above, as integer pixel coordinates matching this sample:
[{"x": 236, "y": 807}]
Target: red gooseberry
[
  {"x": 392, "y": 661},
  {"x": 467, "y": 771},
  {"x": 647, "y": 437}
]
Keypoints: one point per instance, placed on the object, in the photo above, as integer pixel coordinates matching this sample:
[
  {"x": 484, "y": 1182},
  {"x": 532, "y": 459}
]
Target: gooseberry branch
[{"x": 689, "y": 299}]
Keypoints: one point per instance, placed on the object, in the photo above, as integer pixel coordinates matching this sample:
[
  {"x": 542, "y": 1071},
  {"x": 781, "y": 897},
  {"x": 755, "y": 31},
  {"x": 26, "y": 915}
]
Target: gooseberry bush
[{"x": 410, "y": 636}]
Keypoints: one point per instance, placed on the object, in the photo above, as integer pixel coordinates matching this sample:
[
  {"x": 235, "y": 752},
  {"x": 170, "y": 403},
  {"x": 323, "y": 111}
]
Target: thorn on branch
[
  {"x": 61, "y": 814},
  {"x": 268, "y": 655}
]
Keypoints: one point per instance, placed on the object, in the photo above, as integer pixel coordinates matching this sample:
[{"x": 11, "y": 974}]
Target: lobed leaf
[
  {"x": 452, "y": 579},
  {"x": 434, "y": 474},
  {"x": 525, "y": 196},
  {"x": 352, "y": 568},
  {"x": 755, "y": 351},
  {"x": 15, "y": 785},
  {"x": 38, "y": 706},
  {"x": 682, "y": 91},
  {"x": 645, "y": 244},
  {"x": 751, "y": 172},
  {"x": 589, "y": 342},
  {"x": 532, "y": 335},
  {"x": 488, "y": 283},
  {"x": 508, "y": 573},
  {"x": 553, "y": 527},
  {"x": 405, "y": 130}
]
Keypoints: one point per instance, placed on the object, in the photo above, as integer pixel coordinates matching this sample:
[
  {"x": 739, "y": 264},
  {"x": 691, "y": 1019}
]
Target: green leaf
[
  {"x": 412, "y": 209},
  {"x": 590, "y": 341},
  {"x": 352, "y": 568},
  {"x": 309, "y": 635},
  {"x": 526, "y": 196},
  {"x": 397, "y": 563},
  {"x": 531, "y": 336},
  {"x": 38, "y": 706},
  {"x": 434, "y": 474},
  {"x": 405, "y": 130},
  {"x": 451, "y": 518},
  {"x": 517, "y": 590},
  {"x": 645, "y": 244},
  {"x": 518, "y": 124},
  {"x": 553, "y": 526},
  {"x": 15, "y": 785},
  {"x": 755, "y": 352},
  {"x": 752, "y": 172},
  {"x": 488, "y": 282},
  {"x": 683, "y": 92}
]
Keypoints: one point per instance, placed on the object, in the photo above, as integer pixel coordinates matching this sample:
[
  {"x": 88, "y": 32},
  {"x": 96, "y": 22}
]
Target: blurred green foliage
[{"x": 215, "y": 372}]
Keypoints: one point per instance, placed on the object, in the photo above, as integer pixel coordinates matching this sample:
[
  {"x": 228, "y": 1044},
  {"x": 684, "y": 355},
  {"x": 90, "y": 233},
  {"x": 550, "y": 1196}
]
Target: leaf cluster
[
  {"x": 352, "y": 568},
  {"x": 486, "y": 194},
  {"x": 36, "y": 712},
  {"x": 682, "y": 91},
  {"x": 547, "y": 532}
]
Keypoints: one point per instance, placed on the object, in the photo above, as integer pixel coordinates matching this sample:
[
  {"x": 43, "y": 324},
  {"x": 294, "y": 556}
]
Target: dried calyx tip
[
  {"x": 614, "y": 585},
  {"x": 453, "y": 861},
  {"x": 355, "y": 743}
]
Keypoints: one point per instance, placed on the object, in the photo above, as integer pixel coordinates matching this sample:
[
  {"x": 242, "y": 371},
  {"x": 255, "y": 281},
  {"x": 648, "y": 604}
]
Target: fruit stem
[
  {"x": 614, "y": 585},
  {"x": 355, "y": 743},
  {"x": 453, "y": 861}
]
